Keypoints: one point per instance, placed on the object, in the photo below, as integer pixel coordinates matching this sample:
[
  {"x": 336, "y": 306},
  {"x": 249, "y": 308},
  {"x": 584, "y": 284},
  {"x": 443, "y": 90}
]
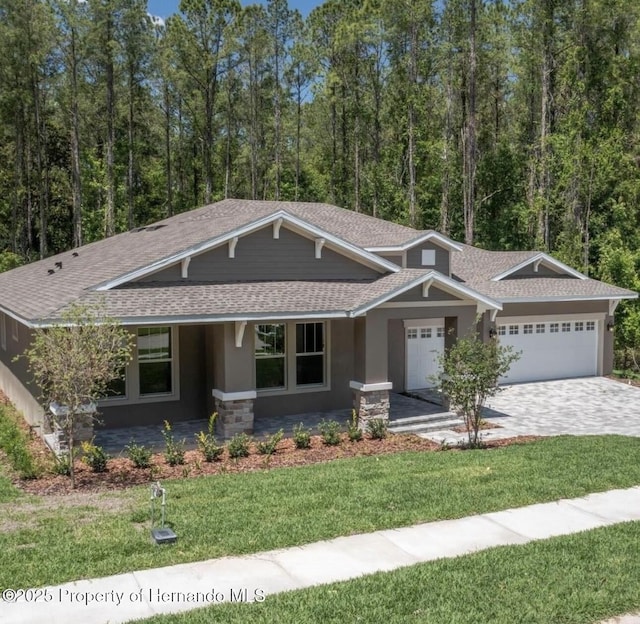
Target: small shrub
[
  {"x": 268, "y": 446},
  {"x": 206, "y": 440},
  {"x": 238, "y": 446},
  {"x": 377, "y": 428},
  {"x": 353, "y": 429},
  {"x": 15, "y": 443},
  {"x": 139, "y": 454},
  {"x": 94, "y": 456},
  {"x": 330, "y": 432},
  {"x": 301, "y": 437},
  {"x": 174, "y": 451},
  {"x": 62, "y": 465}
]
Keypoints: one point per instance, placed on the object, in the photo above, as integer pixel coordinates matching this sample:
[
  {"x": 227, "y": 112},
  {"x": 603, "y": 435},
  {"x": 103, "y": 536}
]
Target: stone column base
[
  {"x": 235, "y": 412},
  {"x": 370, "y": 401},
  {"x": 82, "y": 428}
]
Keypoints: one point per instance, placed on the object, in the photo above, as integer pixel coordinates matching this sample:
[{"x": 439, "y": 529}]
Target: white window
[
  {"x": 502, "y": 330},
  {"x": 14, "y": 330},
  {"x": 3, "y": 331},
  {"x": 540, "y": 328},
  {"x": 310, "y": 354},
  {"x": 591, "y": 326},
  {"x": 412, "y": 334},
  {"x": 428, "y": 257},
  {"x": 270, "y": 350},
  {"x": 440, "y": 332},
  {"x": 514, "y": 330},
  {"x": 579, "y": 326},
  {"x": 425, "y": 332},
  {"x": 566, "y": 327},
  {"x": 155, "y": 361},
  {"x": 554, "y": 328},
  {"x": 527, "y": 329},
  {"x": 290, "y": 356}
]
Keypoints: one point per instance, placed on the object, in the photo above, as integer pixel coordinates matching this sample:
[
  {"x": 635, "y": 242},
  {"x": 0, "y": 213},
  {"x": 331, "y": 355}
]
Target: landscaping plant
[
  {"x": 139, "y": 454},
  {"x": 268, "y": 446},
  {"x": 238, "y": 446},
  {"x": 94, "y": 456},
  {"x": 207, "y": 443},
  {"x": 377, "y": 428},
  {"x": 330, "y": 432},
  {"x": 174, "y": 449},
  {"x": 353, "y": 427},
  {"x": 301, "y": 436}
]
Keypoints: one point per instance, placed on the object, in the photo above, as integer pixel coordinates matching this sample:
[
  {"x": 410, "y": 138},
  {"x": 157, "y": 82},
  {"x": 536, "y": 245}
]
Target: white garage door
[
  {"x": 424, "y": 345},
  {"x": 557, "y": 349}
]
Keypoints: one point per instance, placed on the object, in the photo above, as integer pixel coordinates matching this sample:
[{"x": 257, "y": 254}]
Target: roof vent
[
  {"x": 75, "y": 254},
  {"x": 148, "y": 228},
  {"x": 58, "y": 265},
  {"x": 50, "y": 271}
]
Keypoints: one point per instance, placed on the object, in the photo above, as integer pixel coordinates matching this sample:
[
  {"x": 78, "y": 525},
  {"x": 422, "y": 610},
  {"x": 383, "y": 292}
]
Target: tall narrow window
[
  {"x": 270, "y": 348},
  {"x": 155, "y": 360},
  {"x": 309, "y": 354}
]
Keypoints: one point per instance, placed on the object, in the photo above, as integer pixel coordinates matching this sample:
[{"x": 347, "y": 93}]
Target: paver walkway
[
  {"x": 588, "y": 406},
  {"x": 144, "y": 593}
]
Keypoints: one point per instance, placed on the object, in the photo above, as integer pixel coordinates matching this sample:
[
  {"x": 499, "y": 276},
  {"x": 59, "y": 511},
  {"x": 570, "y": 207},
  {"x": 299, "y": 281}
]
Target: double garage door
[{"x": 554, "y": 349}]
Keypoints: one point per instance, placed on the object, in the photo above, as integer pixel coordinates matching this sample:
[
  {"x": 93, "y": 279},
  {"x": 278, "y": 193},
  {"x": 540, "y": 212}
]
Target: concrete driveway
[{"x": 587, "y": 406}]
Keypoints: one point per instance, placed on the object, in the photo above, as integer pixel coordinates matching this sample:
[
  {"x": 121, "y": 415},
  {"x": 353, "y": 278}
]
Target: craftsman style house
[{"x": 257, "y": 309}]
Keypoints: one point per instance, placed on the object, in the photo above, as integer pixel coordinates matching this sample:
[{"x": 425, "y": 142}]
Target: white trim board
[{"x": 546, "y": 260}]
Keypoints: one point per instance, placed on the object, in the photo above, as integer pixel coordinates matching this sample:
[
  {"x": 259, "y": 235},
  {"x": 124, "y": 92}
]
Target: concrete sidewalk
[{"x": 183, "y": 587}]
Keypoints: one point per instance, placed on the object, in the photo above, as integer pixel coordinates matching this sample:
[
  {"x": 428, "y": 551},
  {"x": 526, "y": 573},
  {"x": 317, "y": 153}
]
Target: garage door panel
[{"x": 553, "y": 350}]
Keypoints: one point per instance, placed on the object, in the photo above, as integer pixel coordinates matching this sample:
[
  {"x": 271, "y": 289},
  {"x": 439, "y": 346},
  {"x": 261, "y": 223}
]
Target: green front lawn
[
  {"x": 51, "y": 540},
  {"x": 576, "y": 579}
]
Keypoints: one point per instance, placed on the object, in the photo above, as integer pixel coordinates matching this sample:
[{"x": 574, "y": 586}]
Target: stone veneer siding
[
  {"x": 234, "y": 417},
  {"x": 371, "y": 405}
]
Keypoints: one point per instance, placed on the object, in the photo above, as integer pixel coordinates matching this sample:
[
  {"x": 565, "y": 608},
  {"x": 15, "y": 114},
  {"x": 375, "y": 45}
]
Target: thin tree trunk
[
  {"x": 167, "y": 149},
  {"x": 111, "y": 137},
  {"x": 130, "y": 148},
  {"x": 76, "y": 181},
  {"x": 411, "y": 123},
  {"x": 446, "y": 152},
  {"x": 470, "y": 134}
]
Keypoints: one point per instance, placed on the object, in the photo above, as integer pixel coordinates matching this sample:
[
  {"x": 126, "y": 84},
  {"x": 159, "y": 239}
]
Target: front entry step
[{"x": 425, "y": 424}]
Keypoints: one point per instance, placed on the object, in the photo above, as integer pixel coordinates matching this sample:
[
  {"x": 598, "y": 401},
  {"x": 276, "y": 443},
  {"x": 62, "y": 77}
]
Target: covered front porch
[{"x": 401, "y": 407}]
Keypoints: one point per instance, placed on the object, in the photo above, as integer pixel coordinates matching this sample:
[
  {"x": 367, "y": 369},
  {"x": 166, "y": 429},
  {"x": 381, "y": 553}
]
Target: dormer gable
[{"x": 539, "y": 265}]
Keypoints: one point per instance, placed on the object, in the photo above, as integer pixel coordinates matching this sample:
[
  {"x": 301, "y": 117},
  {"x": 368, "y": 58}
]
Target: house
[{"x": 257, "y": 309}]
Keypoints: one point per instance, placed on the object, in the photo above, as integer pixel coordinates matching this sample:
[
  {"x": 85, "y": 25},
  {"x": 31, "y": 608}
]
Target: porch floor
[{"x": 115, "y": 440}]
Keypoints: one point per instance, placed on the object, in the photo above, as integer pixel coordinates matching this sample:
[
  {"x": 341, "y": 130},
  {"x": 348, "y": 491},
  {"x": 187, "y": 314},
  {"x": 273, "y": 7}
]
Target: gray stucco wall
[
  {"x": 193, "y": 400},
  {"x": 259, "y": 256},
  {"x": 414, "y": 258}
]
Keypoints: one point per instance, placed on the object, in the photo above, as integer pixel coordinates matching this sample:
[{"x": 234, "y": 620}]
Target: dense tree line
[{"x": 504, "y": 123}]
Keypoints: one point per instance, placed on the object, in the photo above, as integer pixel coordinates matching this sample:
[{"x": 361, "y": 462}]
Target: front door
[{"x": 424, "y": 346}]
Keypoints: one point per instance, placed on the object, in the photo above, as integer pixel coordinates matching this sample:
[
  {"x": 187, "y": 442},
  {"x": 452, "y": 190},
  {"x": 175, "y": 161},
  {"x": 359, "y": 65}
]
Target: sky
[{"x": 165, "y": 8}]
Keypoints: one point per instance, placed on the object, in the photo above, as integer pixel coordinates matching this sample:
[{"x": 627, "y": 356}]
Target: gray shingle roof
[{"x": 33, "y": 294}]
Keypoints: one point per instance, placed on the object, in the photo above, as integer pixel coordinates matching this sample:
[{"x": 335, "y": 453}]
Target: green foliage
[
  {"x": 470, "y": 372},
  {"x": 15, "y": 444},
  {"x": 94, "y": 456},
  {"x": 207, "y": 443},
  {"x": 268, "y": 446},
  {"x": 301, "y": 436},
  {"x": 330, "y": 432},
  {"x": 174, "y": 449},
  {"x": 9, "y": 260},
  {"x": 139, "y": 454},
  {"x": 238, "y": 446},
  {"x": 377, "y": 428},
  {"x": 62, "y": 464},
  {"x": 353, "y": 427}
]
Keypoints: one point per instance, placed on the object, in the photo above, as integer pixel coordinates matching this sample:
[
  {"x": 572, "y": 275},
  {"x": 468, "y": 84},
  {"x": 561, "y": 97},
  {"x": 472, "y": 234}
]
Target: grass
[
  {"x": 575, "y": 579},
  {"x": 14, "y": 443},
  {"x": 243, "y": 513}
]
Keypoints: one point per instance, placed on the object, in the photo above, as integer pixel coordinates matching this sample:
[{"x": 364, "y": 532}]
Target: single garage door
[
  {"x": 557, "y": 349},
  {"x": 424, "y": 345}
]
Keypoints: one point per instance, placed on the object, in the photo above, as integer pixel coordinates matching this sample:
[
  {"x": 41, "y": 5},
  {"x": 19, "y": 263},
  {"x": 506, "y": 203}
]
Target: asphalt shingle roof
[{"x": 41, "y": 291}]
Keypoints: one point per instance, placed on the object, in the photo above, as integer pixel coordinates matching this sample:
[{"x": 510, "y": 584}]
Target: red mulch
[{"x": 121, "y": 473}]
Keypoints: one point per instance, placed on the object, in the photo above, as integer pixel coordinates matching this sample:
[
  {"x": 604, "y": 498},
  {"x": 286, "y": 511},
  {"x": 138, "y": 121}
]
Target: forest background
[{"x": 507, "y": 124}]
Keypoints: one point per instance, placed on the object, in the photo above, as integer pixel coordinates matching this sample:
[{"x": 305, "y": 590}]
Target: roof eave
[{"x": 540, "y": 257}]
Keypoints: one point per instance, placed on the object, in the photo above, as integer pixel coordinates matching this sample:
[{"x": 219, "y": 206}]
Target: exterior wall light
[
  {"x": 492, "y": 332},
  {"x": 610, "y": 326}
]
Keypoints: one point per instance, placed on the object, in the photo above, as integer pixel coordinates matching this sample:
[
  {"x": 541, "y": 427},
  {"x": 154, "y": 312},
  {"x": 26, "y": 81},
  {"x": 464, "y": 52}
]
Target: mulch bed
[
  {"x": 484, "y": 425},
  {"x": 121, "y": 473}
]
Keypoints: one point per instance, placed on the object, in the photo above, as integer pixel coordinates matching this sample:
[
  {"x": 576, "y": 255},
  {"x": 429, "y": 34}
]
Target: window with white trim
[
  {"x": 566, "y": 327},
  {"x": 502, "y": 330},
  {"x": 579, "y": 326},
  {"x": 3, "y": 331},
  {"x": 514, "y": 330},
  {"x": 270, "y": 351},
  {"x": 425, "y": 332},
  {"x": 540, "y": 328},
  {"x": 310, "y": 354},
  {"x": 155, "y": 361},
  {"x": 554, "y": 328},
  {"x": 527, "y": 328},
  {"x": 412, "y": 333},
  {"x": 292, "y": 356},
  {"x": 591, "y": 326}
]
